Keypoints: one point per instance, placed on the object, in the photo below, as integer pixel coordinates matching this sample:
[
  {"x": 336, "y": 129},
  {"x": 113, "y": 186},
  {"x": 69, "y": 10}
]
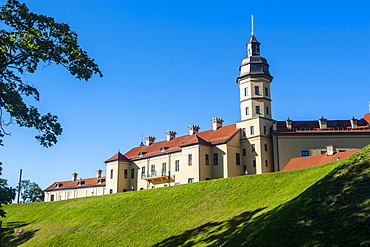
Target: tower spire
[{"x": 252, "y": 16}]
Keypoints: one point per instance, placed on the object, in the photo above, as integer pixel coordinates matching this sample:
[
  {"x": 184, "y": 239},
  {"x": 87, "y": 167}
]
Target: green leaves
[
  {"x": 32, "y": 39},
  {"x": 30, "y": 191}
]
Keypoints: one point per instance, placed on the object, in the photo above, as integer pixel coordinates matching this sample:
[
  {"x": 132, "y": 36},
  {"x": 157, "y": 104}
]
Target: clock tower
[{"x": 255, "y": 109}]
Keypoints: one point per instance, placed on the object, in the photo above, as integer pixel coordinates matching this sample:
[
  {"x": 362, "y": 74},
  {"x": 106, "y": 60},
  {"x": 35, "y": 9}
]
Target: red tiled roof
[
  {"x": 313, "y": 126},
  {"x": 87, "y": 182},
  {"x": 117, "y": 156},
  {"x": 207, "y": 137},
  {"x": 303, "y": 162},
  {"x": 367, "y": 118}
]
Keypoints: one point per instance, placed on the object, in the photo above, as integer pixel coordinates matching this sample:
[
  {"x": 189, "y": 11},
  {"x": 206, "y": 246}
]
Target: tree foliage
[
  {"x": 7, "y": 195},
  {"x": 32, "y": 40},
  {"x": 30, "y": 191}
]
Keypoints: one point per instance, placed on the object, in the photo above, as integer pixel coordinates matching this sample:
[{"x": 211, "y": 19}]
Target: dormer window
[
  {"x": 57, "y": 185},
  {"x": 338, "y": 127},
  {"x": 101, "y": 180},
  {"x": 79, "y": 183},
  {"x": 302, "y": 127},
  {"x": 141, "y": 154},
  {"x": 163, "y": 149}
]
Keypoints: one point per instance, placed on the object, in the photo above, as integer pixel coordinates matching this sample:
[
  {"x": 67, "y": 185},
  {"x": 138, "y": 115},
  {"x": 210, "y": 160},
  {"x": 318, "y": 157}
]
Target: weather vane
[{"x": 252, "y": 24}]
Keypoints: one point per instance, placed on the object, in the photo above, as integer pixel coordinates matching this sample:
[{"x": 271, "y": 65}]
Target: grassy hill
[{"x": 327, "y": 205}]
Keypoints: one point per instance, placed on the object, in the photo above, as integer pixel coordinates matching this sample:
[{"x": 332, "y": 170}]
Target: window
[
  {"x": 253, "y": 147},
  {"x": 52, "y": 198},
  {"x": 257, "y": 90},
  {"x": 322, "y": 152},
  {"x": 111, "y": 174},
  {"x": 111, "y": 191},
  {"x": 244, "y": 152},
  {"x": 244, "y": 132},
  {"x": 258, "y": 109},
  {"x": 125, "y": 173},
  {"x": 143, "y": 171},
  {"x": 238, "y": 158},
  {"x": 190, "y": 180},
  {"x": 132, "y": 173},
  {"x": 302, "y": 127},
  {"x": 252, "y": 130},
  {"x": 246, "y": 91},
  {"x": 266, "y": 91},
  {"x": 215, "y": 159},
  {"x": 247, "y": 111},
  {"x": 177, "y": 165},
  {"x": 190, "y": 159},
  {"x": 152, "y": 171},
  {"x": 266, "y": 149},
  {"x": 254, "y": 163},
  {"x": 266, "y": 163},
  {"x": 267, "y": 110},
  {"x": 245, "y": 169},
  {"x": 338, "y": 127},
  {"x": 164, "y": 168},
  {"x": 265, "y": 130},
  {"x": 207, "y": 159},
  {"x": 305, "y": 153}
]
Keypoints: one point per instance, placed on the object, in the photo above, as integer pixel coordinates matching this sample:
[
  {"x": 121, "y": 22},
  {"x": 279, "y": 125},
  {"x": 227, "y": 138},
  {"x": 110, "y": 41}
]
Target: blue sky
[{"x": 170, "y": 64}]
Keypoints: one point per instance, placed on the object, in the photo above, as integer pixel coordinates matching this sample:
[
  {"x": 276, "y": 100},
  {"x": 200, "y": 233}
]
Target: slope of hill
[{"x": 326, "y": 205}]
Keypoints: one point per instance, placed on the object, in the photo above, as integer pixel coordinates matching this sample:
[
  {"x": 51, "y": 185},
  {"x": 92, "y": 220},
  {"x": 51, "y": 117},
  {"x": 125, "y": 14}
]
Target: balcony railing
[{"x": 155, "y": 174}]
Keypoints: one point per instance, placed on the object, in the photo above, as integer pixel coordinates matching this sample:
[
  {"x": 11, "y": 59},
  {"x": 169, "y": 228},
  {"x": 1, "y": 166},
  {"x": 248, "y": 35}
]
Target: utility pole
[{"x": 19, "y": 184}]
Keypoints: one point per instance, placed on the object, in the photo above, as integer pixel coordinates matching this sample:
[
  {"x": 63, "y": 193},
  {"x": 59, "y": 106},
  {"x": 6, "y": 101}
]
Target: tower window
[
  {"x": 266, "y": 147},
  {"x": 305, "y": 153},
  {"x": 237, "y": 158},
  {"x": 266, "y": 163},
  {"x": 143, "y": 171},
  {"x": 125, "y": 172},
  {"x": 257, "y": 90},
  {"x": 190, "y": 159},
  {"x": 253, "y": 147},
  {"x": 252, "y": 130},
  {"x": 265, "y": 130},
  {"x": 207, "y": 159},
  {"x": 177, "y": 165},
  {"x": 244, "y": 152},
  {"x": 246, "y": 91},
  {"x": 254, "y": 163},
  {"x": 266, "y": 91},
  {"x": 132, "y": 173},
  {"x": 215, "y": 159},
  {"x": 244, "y": 132},
  {"x": 247, "y": 111},
  {"x": 111, "y": 174},
  {"x": 258, "y": 109},
  {"x": 267, "y": 110},
  {"x": 152, "y": 171},
  {"x": 164, "y": 168}
]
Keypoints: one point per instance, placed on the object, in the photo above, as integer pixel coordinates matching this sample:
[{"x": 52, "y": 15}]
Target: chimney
[
  {"x": 98, "y": 173},
  {"x": 323, "y": 123},
  {"x": 274, "y": 126},
  {"x": 216, "y": 123},
  {"x": 74, "y": 176},
  {"x": 354, "y": 123},
  {"x": 149, "y": 140},
  {"x": 170, "y": 135},
  {"x": 331, "y": 150},
  {"x": 193, "y": 129},
  {"x": 288, "y": 124}
]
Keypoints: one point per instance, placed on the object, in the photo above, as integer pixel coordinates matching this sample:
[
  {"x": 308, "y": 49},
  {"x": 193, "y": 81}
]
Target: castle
[{"x": 256, "y": 144}]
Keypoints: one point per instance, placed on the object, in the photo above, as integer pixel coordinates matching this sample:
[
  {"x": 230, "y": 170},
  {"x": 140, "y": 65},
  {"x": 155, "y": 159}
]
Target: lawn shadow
[
  {"x": 335, "y": 211},
  {"x": 10, "y": 238},
  {"x": 215, "y": 233}
]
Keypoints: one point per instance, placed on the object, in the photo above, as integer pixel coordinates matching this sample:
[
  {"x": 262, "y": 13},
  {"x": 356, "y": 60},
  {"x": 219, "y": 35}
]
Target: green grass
[{"x": 326, "y": 205}]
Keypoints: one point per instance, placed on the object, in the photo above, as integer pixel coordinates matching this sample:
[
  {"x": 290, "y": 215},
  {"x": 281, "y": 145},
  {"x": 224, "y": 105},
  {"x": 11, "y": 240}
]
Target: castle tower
[{"x": 255, "y": 109}]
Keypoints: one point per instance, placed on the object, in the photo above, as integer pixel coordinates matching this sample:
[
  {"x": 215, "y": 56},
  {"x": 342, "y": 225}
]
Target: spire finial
[{"x": 252, "y": 24}]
